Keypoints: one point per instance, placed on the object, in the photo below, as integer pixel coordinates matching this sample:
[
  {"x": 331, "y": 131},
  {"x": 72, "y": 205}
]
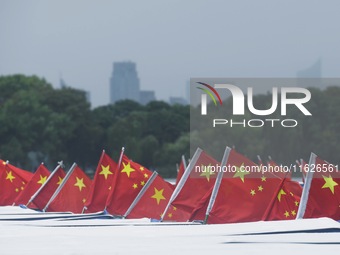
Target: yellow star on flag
[
  {"x": 252, "y": 192},
  {"x": 142, "y": 183},
  {"x": 10, "y": 176},
  {"x": 141, "y": 168},
  {"x": 329, "y": 183},
  {"x": 281, "y": 192},
  {"x": 170, "y": 215},
  {"x": 240, "y": 172},
  {"x": 158, "y": 195},
  {"x": 127, "y": 169},
  {"x": 286, "y": 214},
  {"x": 135, "y": 185},
  {"x": 42, "y": 179},
  {"x": 59, "y": 180},
  {"x": 146, "y": 175},
  {"x": 263, "y": 178},
  {"x": 296, "y": 203},
  {"x": 105, "y": 171},
  {"x": 293, "y": 213},
  {"x": 260, "y": 188},
  {"x": 207, "y": 172},
  {"x": 80, "y": 183}
]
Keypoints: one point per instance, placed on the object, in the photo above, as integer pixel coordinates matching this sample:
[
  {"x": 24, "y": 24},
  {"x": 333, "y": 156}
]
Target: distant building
[
  {"x": 178, "y": 100},
  {"x": 63, "y": 85},
  {"x": 147, "y": 96},
  {"x": 124, "y": 82},
  {"x": 311, "y": 76},
  {"x": 314, "y": 71}
]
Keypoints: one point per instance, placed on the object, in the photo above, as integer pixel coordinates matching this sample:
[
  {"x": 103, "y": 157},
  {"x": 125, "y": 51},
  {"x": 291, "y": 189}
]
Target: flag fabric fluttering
[
  {"x": 154, "y": 201},
  {"x": 195, "y": 182},
  {"x": 12, "y": 182},
  {"x": 127, "y": 183},
  {"x": 244, "y": 193},
  {"x": 45, "y": 192},
  {"x": 101, "y": 184},
  {"x": 39, "y": 178},
  {"x": 277, "y": 170},
  {"x": 286, "y": 203},
  {"x": 321, "y": 191},
  {"x": 72, "y": 196}
]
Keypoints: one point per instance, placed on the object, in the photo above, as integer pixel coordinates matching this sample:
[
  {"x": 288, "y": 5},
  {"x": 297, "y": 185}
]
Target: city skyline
[{"x": 170, "y": 42}]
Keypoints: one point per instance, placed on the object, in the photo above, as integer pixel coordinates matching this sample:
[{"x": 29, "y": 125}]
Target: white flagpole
[
  {"x": 183, "y": 179},
  {"x": 306, "y": 187},
  {"x": 184, "y": 163},
  {"x": 140, "y": 194},
  {"x": 61, "y": 185},
  {"x": 259, "y": 158},
  {"x": 42, "y": 186},
  {"x": 217, "y": 184},
  {"x": 120, "y": 158}
]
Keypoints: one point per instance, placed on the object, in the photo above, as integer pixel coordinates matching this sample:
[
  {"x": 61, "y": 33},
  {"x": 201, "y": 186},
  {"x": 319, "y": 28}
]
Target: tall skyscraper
[
  {"x": 311, "y": 76},
  {"x": 124, "y": 82}
]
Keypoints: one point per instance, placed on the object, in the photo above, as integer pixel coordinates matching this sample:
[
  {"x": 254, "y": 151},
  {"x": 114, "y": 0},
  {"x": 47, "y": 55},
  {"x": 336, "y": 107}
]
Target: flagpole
[
  {"x": 43, "y": 185},
  {"x": 217, "y": 184},
  {"x": 140, "y": 194},
  {"x": 306, "y": 187},
  {"x": 61, "y": 185},
  {"x": 182, "y": 181},
  {"x": 108, "y": 200},
  {"x": 259, "y": 159},
  {"x": 184, "y": 163}
]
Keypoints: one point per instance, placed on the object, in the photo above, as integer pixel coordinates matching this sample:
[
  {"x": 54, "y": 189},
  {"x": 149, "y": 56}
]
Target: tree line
[{"x": 39, "y": 123}]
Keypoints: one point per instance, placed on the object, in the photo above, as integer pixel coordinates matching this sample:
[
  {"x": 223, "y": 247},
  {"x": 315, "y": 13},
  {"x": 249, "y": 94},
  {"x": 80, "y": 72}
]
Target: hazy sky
[{"x": 170, "y": 41}]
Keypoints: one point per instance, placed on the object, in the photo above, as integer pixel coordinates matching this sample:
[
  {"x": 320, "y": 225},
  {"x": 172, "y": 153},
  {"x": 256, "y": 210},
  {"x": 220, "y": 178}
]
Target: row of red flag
[{"x": 129, "y": 190}]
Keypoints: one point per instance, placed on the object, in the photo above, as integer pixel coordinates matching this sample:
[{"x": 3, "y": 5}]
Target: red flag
[
  {"x": 49, "y": 188},
  {"x": 127, "y": 183},
  {"x": 324, "y": 193},
  {"x": 72, "y": 196},
  {"x": 286, "y": 202},
  {"x": 199, "y": 182},
  {"x": 39, "y": 178},
  {"x": 279, "y": 171},
  {"x": 101, "y": 185},
  {"x": 154, "y": 201},
  {"x": 245, "y": 192},
  {"x": 199, "y": 212},
  {"x": 12, "y": 182}
]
